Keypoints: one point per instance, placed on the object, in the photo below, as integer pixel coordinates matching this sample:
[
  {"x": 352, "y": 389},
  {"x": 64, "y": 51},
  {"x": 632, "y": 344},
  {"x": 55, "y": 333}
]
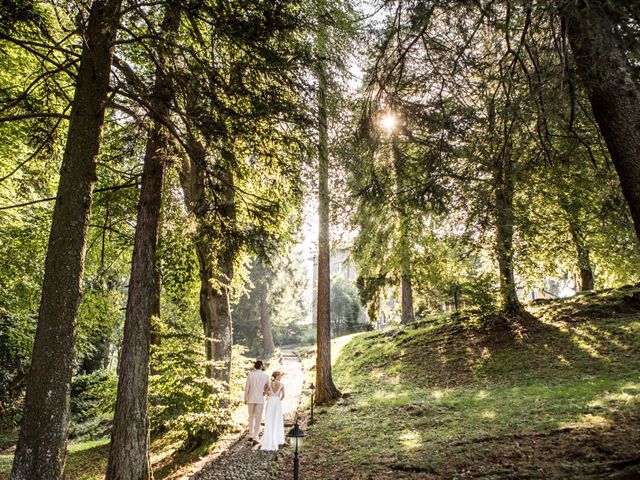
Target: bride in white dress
[{"x": 273, "y": 435}]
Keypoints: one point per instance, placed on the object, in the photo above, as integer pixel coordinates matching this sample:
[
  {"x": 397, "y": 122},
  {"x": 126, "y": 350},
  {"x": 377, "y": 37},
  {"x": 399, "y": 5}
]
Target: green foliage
[
  {"x": 16, "y": 342},
  {"x": 345, "y": 307},
  {"x": 284, "y": 283},
  {"x": 482, "y": 292},
  {"x": 99, "y": 322},
  {"x": 93, "y": 394},
  {"x": 294, "y": 333},
  {"x": 181, "y": 398}
]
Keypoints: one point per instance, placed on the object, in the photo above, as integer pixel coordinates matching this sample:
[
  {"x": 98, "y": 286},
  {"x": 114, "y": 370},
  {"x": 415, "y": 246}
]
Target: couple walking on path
[{"x": 258, "y": 386}]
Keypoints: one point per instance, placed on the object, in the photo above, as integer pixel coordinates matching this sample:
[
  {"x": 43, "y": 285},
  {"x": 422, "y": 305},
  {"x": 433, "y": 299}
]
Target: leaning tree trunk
[
  {"x": 613, "y": 88},
  {"x": 265, "y": 321},
  {"x": 41, "y": 449},
  {"x": 326, "y": 391},
  {"x": 129, "y": 449},
  {"x": 504, "y": 177}
]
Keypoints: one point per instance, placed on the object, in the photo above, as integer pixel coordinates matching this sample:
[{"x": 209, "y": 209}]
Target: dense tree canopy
[{"x": 156, "y": 160}]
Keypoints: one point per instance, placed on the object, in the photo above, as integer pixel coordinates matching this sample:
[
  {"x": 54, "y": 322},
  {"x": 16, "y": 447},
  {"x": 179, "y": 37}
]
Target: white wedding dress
[{"x": 273, "y": 435}]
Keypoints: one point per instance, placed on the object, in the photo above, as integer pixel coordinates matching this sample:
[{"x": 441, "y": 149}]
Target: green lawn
[{"x": 555, "y": 395}]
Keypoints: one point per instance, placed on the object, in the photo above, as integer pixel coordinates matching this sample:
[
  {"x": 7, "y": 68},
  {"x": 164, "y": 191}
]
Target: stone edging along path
[{"x": 241, "y": 461}]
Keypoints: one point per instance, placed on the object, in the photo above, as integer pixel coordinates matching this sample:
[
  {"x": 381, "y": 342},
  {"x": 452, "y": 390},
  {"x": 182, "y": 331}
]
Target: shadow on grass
[
  {"x": 559, "y": 341},
  {"x": 554, "y": 395}
]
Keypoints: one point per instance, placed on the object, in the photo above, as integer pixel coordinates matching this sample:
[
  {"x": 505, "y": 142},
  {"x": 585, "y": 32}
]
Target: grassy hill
[{"x": 553, "y": 395}]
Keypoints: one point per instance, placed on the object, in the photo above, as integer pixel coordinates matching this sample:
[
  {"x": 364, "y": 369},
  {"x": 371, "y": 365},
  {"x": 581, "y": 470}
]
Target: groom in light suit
[{"x": 254, "y": 391}]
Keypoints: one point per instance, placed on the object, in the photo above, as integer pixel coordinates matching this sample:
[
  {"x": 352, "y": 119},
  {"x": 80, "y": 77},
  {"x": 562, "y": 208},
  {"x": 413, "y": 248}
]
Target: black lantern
[
  {"x": 297, "y": 435},
  {"x": 312, "y": 387}
]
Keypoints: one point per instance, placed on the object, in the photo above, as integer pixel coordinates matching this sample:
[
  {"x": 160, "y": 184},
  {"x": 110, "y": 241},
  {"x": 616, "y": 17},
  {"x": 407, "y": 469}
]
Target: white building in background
[{"x": 340, "y": 266}]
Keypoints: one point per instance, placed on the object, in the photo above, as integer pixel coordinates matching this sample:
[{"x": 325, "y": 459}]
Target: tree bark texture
[
  {"x": 265, "y": 321},
  {"x": 326, "y": 391},
  {"x": 504, "y": 177},
  {"x": 129, "y": 449},
  {"x": 407, "y": 299},
  {"x": 216, "y": 267},
  {"x": 41, "y": 449},
  {"x": 614, "y": 92},
  {"x": 215, "y": 311}
]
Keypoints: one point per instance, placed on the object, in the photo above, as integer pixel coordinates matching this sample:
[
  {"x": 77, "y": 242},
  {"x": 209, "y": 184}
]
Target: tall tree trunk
[
  {"x": 215, "y": 312},
  {"x": 407, "y": 299},
  {"x": 216, "y": 267},
  {"x": 207, "y": 302},
  {"x": 129, "y": 450},
  {"x": 326, "y": 391},
  {"x": 584, "y": 261},
  {"x": 612, "y": 85},
  {"x": 221, "y": 323},
  {"x": 504, "y": 178},
  {"x": 265, "y": 321},
  {"x": 406, "y": 291},
  {"x": 41, "y": 449}
]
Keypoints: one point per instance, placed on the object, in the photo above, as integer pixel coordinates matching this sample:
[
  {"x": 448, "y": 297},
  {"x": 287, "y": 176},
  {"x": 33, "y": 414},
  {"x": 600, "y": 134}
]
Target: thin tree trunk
[
  {"x": 406, "y": 291},
  {"x": 613, "y": 88},
  {"x": 587, "y": 280},
  {"x": 583, "y": 260},
  {"x": 129, "y": 450},
  {"x": 456, "y": 297},
  {"x": 41, "y": 449},
  {"x": 326, "y": 391},
  {"x": 155, "y": 312},
  {"x": 505, "y": 187},
  {"x": 265, "y": 322}
]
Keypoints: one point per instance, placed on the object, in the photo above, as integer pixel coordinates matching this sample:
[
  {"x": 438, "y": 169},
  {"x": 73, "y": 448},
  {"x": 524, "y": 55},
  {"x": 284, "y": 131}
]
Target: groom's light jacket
[{"x": 254, "y": 388}]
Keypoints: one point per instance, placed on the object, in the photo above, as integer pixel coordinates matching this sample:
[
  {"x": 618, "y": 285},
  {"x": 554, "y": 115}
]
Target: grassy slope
[{"x": 555, "y": 396}]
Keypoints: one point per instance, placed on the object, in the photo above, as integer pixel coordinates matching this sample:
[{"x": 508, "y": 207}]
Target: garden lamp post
[
  {"x": 297, "y": 435},
  {"x": 312, "y": 387}
]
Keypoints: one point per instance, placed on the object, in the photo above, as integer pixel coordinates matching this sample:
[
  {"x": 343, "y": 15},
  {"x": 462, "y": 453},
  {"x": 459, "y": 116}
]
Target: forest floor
[
  {"x": 229, "y": 457},
  {"x": 555, "y": 394}
]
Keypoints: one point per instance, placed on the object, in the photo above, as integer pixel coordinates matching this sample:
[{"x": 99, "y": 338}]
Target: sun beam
[{"x": 389, "y": 122}]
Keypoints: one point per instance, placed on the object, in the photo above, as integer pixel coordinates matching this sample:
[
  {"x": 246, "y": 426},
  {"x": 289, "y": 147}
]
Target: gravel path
[{"x": 242, "y": 461}]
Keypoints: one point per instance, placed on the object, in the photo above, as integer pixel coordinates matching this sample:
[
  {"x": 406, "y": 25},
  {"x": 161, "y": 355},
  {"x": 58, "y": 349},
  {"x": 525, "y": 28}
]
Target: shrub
[
  {"x": 482, "y": 293},
  {"x": 181, "y": 398},
  {"x": 93, "y": 394}
]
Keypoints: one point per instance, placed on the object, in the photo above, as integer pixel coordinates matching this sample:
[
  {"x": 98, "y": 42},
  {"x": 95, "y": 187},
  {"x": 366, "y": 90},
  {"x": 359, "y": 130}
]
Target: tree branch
[{"x": 48, "y": 199}]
